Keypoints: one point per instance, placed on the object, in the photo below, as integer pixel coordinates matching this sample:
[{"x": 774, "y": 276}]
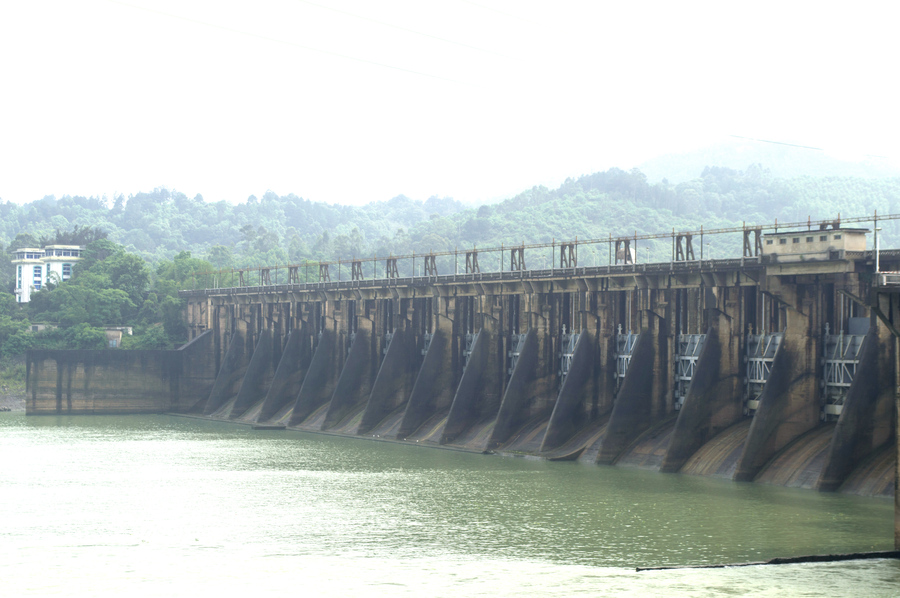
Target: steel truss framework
[
  {"x": 761, "y": 351},
  {"x": 840, "y": 360},
  {"x": 625, "y": 342},
  {"x": 622, "y": 250},
  {"x": 687, "y": 352}
]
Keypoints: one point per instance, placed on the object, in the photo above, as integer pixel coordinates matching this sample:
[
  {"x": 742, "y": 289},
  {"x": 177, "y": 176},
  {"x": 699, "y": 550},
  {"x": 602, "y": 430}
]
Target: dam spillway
[{"x": 776, "y": 367}]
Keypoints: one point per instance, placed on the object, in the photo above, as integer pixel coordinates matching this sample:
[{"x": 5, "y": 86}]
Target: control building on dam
[{"x": 779, "y": 366}]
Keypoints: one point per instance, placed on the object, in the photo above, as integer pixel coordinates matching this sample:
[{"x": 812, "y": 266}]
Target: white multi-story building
[{"x": 35, "y": 267}]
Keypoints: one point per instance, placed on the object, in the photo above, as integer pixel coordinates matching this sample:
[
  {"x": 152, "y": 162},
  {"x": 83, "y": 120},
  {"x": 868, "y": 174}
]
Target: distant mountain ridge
[{"x": 780, "y": 159}]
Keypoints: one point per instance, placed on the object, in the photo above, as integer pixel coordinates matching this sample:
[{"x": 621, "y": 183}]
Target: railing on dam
[
  {"x": 622, "y": 257},
  {"x": 505, "y": 276},
  {"x": 549, "y": 274},
  {"x": 889, "y": 279}
]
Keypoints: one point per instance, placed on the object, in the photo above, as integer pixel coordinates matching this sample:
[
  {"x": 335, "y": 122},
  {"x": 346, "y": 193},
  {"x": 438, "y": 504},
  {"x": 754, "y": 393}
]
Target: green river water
[{"x": 170, "y": 506}]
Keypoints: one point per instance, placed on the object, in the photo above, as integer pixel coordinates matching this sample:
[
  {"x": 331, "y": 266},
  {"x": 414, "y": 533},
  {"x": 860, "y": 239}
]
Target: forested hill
[
  {"x": 269, "y": 229},
  {"x": 276, "y": 229}
]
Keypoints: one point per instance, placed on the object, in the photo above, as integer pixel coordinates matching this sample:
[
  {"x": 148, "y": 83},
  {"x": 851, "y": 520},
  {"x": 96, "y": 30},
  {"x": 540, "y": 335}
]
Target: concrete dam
[{"x": 779, "y": 366}]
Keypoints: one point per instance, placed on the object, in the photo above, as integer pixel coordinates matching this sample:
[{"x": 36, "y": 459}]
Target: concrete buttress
[
  {"x": 787, "y": 410},
  {"x": 257, "y": 377},
  {"x": 394, "y": 381},
  {"x": 645, "y": 386},
  {"x": 290, "y": 373},
  {"x": 231, "y": 374},
  {"x": 573, "y": 405},
  {"x": 434, "y": 384},
  {"x": 864, "y": 423},
  {"x": 356, "y": 380},
  {"x": 477, "y": 396},
  {"x": 521, "y": 392},
  {"x": 713, "y": 402},
  {"x": 319, "y": 382}
]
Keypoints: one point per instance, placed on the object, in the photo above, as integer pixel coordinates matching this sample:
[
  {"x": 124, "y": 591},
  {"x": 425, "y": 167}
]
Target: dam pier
[{"x": 779, "y": 366}]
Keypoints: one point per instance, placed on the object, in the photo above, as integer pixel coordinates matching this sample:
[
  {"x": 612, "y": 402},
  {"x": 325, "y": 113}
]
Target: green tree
[
  {"x": 172, "y": 313},
  {"x": 85, "y": 337},
  {"x": 151, "y": 337},
  {"x": 14, "y": 336},
  {"x": 221, "y": 256},
  {"x": 95, "y": 253},
  {"x": 129, "y": 273}
]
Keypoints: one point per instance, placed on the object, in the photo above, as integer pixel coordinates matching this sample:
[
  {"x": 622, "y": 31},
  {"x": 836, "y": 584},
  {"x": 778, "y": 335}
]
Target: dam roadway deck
[{"x": 779, "y": 368}]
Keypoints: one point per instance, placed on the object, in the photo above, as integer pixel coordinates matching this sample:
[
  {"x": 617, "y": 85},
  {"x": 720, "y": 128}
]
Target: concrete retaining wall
[{"x": 119, "y": 381}]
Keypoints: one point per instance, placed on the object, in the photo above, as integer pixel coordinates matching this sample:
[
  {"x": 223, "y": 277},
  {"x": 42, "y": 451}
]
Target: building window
[
  {"x": 113, "y": 343},
  {"x": 809, "y": 239},
  {"x": 836, "y": 237},
  {"x": 769, "y": 241},
  {"x": 823, "y": 238},
  {"x": 782, "y": 241},
  {"x": 796, "y": 239},
  {"x": 66, "y": 271},
  {"x": 37, "y": 277}
]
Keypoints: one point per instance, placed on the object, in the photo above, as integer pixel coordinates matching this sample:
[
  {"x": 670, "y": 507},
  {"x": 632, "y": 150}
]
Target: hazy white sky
[{"x": 352, "y": 101}]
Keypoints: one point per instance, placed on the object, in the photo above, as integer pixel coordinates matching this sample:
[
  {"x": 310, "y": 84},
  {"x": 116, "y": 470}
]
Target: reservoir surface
[{"x": 161, "y": 505}]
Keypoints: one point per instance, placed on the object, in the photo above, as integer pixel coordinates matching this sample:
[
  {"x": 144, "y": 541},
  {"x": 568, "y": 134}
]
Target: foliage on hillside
[{"x": 278, "y": 230}]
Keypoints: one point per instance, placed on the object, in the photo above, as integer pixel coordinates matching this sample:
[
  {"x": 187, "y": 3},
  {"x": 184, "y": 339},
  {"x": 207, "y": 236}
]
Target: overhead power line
[
  {"x": 800, "y": 146},
  {"x": 779, "y": 143}
]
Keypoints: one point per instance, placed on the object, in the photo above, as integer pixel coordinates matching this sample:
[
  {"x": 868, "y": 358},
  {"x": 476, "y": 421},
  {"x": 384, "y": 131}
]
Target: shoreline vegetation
[{"x": 12, "y": 384}]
